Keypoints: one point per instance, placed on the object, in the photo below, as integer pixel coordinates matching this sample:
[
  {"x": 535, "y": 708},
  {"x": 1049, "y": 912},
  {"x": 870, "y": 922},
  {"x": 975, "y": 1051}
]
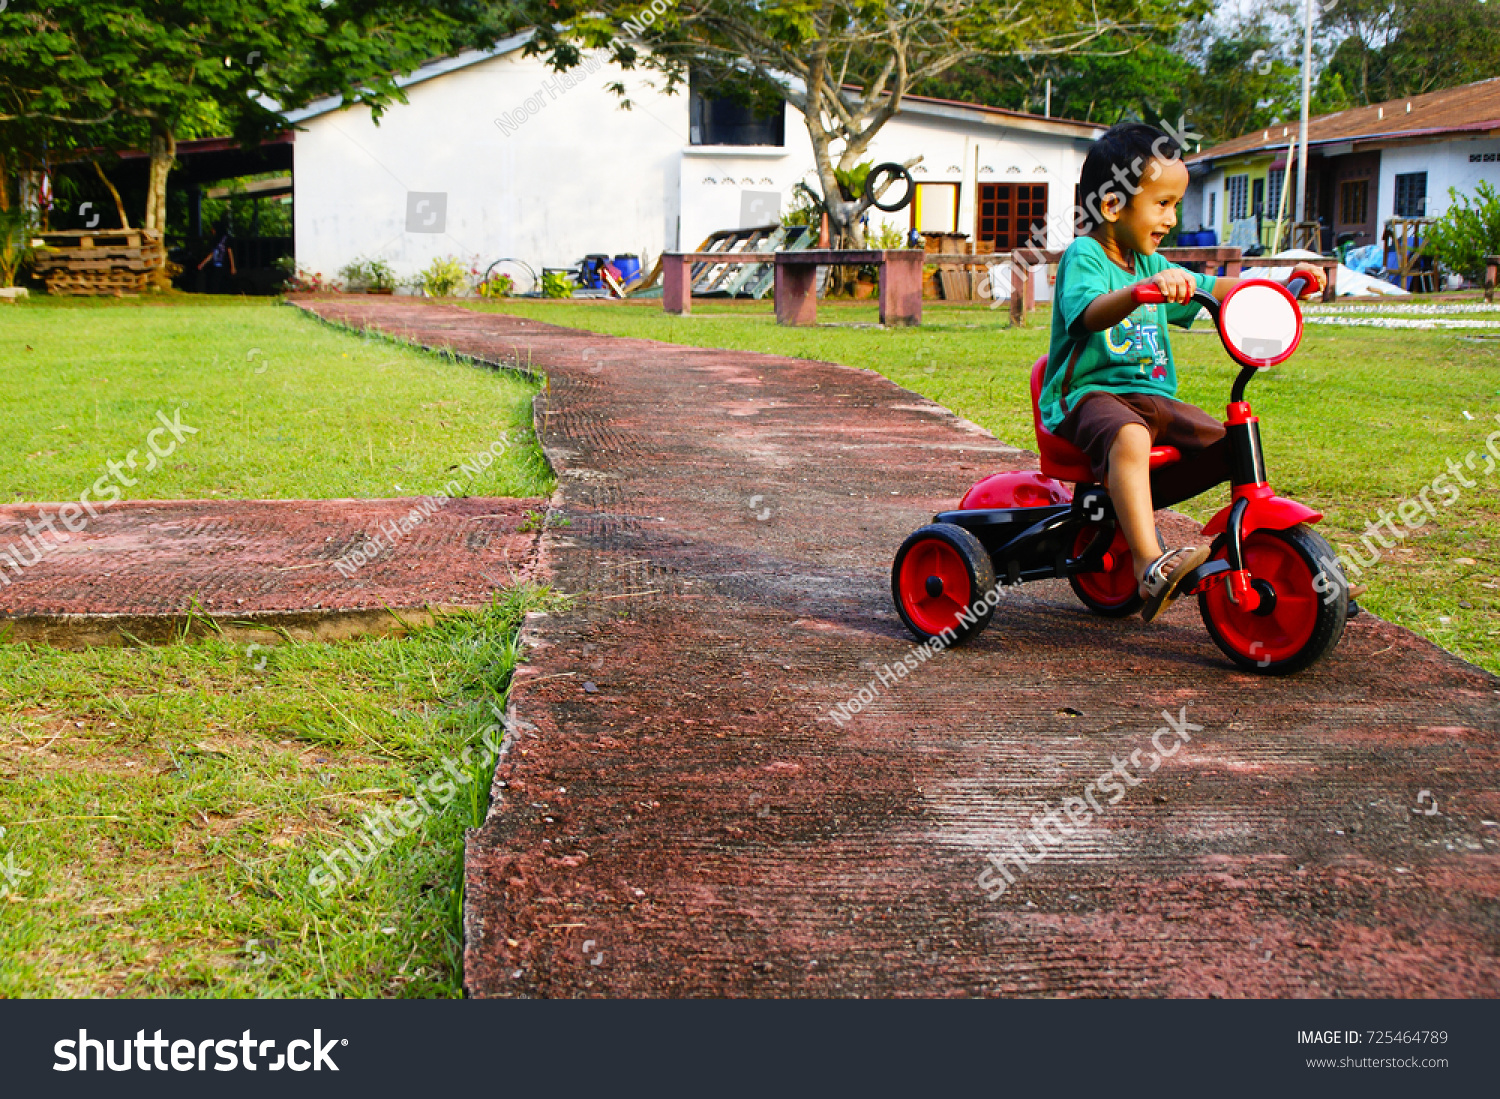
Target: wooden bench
[
  {"x": 1491, "y": 268},
  {"x": 677, "y": 274},
  {"x": 797, "y": 280},
  {"x": 900, "y": 282}
]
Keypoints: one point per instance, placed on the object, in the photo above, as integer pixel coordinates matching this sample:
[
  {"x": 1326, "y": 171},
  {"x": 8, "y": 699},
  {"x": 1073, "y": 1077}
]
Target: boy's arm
[
  {"x": 1314, "y": 276},
  {"x": 1107, "y": 310},
  {"x": 1177, "y": 286}
]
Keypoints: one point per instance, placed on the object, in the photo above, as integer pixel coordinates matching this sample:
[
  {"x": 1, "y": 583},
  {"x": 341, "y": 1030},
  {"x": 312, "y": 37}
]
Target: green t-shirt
[{"x": 1132, "y": 357}]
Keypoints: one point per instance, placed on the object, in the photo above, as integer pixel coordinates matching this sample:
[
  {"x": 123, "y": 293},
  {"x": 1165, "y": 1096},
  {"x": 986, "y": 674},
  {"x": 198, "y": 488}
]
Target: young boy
[{"x": 1111, "y": 387}]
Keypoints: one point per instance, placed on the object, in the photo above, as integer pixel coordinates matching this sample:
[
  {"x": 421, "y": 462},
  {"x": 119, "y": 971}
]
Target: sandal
[{"x": 1160, "y": 587}]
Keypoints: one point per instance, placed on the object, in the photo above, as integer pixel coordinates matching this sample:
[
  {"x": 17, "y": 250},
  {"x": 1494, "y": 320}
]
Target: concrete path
[
  {"x": 682, "y": 817},
  {"x": 149, "y": 569}
]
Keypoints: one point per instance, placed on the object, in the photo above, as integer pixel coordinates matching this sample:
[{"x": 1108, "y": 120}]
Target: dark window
[
  {"x": 1237, "y": 197},
  {"x": 714, "y": 121},
  {"x": 1411, "y": 195},
  {"x": 1354, "y": 198},
  {"x": 1011, "y": 215}
]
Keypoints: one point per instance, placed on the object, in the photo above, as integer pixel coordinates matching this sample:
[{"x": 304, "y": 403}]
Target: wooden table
[{"x": 1329, "y": 265}]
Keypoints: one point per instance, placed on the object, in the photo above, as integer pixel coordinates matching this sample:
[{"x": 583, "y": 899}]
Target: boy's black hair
[{"x": 1130, "y": 147}]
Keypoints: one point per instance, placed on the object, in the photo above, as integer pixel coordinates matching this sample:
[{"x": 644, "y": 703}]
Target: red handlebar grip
[{"x": 1146, "y": 293}]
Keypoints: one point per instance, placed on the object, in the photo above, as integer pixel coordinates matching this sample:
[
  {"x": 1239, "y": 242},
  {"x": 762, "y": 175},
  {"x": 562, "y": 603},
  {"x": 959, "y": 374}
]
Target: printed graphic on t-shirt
[{"x": 1138, "y": 340}]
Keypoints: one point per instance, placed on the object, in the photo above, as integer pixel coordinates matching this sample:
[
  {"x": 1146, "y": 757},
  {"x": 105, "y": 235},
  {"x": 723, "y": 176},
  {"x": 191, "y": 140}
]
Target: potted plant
[
  {"x": 380, "y": 277},
  {"x": 16, "y": 247},
  {"x": 444, "y": 277}
]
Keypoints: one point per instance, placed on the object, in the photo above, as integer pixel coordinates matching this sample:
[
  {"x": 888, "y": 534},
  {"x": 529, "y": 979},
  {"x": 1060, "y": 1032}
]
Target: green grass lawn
[
  {"x": 1359, "y": 420},
  {"x": 162, "y": 809},
  {"x": 284, "y": 406}
]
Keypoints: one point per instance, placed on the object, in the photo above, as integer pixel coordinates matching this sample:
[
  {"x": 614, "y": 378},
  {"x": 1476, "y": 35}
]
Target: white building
[{"x": 495, "y": 155}]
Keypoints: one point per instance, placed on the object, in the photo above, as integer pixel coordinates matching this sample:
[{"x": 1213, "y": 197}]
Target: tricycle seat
[{"x": 1060, "y": 458}]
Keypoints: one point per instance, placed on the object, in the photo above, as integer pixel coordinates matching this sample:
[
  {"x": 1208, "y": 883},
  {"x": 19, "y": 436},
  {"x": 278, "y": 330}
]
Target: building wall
[
  {"x": 1447, "y": 164},
  {"x": 571, "y": 173},
  {"x": 547, "y": 168}
]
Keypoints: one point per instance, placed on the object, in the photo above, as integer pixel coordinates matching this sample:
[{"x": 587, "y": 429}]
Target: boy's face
[{"x": 1150, "y": 213}]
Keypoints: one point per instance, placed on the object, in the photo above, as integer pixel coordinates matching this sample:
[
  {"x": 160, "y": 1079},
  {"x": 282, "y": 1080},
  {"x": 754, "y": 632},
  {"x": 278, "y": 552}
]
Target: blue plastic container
[{"x": 629, "y": 268}]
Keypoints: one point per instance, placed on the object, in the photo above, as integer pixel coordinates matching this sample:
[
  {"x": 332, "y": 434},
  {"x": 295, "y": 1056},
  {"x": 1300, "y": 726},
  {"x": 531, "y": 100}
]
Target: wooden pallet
[{"x": 99, "y": 261}]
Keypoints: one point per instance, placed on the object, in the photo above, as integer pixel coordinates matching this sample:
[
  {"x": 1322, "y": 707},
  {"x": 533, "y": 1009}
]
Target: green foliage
[
  {"x": 852, "y": 180},
  {"x": 805, "y": 208},
  {"x": 555, "y": 284},
  {"x": 1388, "y": 49},
  {"x": 121, "y": 73},
  {"x": 886, "y": 237},
  {"x": 16, "y": 228},
  {"x": 369, "y": 274},
  {"x": 1468, "y": 232},
  {"x": 497, "y": 286},
  {"x": 444, "y": 277}
]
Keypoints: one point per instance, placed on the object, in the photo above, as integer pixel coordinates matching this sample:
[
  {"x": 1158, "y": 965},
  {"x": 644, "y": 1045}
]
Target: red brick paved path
[
  {"x": 143, "y": 565},
  {"x": 684, "y": 820}
]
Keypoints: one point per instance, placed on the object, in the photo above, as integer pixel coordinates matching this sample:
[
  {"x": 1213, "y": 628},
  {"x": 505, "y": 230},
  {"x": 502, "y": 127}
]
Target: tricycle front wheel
[{"x": 1303, "y": 604}]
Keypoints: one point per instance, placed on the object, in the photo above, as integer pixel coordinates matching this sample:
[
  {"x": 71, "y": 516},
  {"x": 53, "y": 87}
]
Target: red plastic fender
[
  {"x": 1015, "y": 490},
  {"x": 1267, "y": 511}
]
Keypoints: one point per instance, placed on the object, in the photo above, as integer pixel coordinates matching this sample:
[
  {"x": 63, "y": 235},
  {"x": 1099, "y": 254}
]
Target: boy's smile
[{"x": 1147, "y": 217}]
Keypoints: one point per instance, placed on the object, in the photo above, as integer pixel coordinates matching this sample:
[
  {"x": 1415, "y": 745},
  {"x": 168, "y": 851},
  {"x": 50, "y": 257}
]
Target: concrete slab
[
  {"x": 681, "y": 816},
  {"x": 149, "y": 569}
]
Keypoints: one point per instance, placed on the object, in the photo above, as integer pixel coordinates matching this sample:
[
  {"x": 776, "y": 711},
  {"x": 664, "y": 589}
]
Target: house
[
  {"x": 497, "y": 156},
  {"x": 1365, "y": 166}
]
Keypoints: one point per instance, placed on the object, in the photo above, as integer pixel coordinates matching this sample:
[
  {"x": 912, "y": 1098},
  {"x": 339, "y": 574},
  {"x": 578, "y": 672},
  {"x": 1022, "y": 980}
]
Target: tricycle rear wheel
[
  {"x": 941, "y": 572},
  {"x": 1113, "y": 593}
]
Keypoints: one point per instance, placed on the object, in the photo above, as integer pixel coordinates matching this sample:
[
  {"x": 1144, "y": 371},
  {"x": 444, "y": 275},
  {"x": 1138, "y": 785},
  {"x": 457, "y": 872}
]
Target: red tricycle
[{"x": 1271, "y": 594}]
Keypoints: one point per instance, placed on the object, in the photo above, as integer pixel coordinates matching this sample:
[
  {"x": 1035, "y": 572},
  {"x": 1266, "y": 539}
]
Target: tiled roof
[{"x": 1470, "y": 108}]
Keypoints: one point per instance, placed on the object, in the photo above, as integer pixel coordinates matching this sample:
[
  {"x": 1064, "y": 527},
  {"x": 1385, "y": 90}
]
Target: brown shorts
[{"x": 1096, "y": 420}]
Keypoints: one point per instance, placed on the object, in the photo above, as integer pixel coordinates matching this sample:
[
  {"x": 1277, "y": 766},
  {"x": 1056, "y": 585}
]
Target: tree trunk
[
  {"x": 119, "y": 206},
  {"x": 163, "y": 154}
]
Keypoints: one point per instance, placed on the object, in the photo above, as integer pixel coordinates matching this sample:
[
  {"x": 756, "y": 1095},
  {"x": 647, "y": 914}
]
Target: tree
[
  {"x": 844, "y": 65},
  {"x": 132, "y": 73},
  {"x": 1387, "y": 49},
  {"x": 1114, "y": 79}
]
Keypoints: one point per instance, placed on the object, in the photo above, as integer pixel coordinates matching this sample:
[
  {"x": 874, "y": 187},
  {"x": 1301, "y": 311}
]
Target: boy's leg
[
  {"x": 1129, "y": 485},
  {"x": 1116, "y": 437},
  {"x": 1201, "y": 441}
]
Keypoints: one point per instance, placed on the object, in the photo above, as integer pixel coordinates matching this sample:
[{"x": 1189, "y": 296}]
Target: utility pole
[{"x": 1302, "y": 127}]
